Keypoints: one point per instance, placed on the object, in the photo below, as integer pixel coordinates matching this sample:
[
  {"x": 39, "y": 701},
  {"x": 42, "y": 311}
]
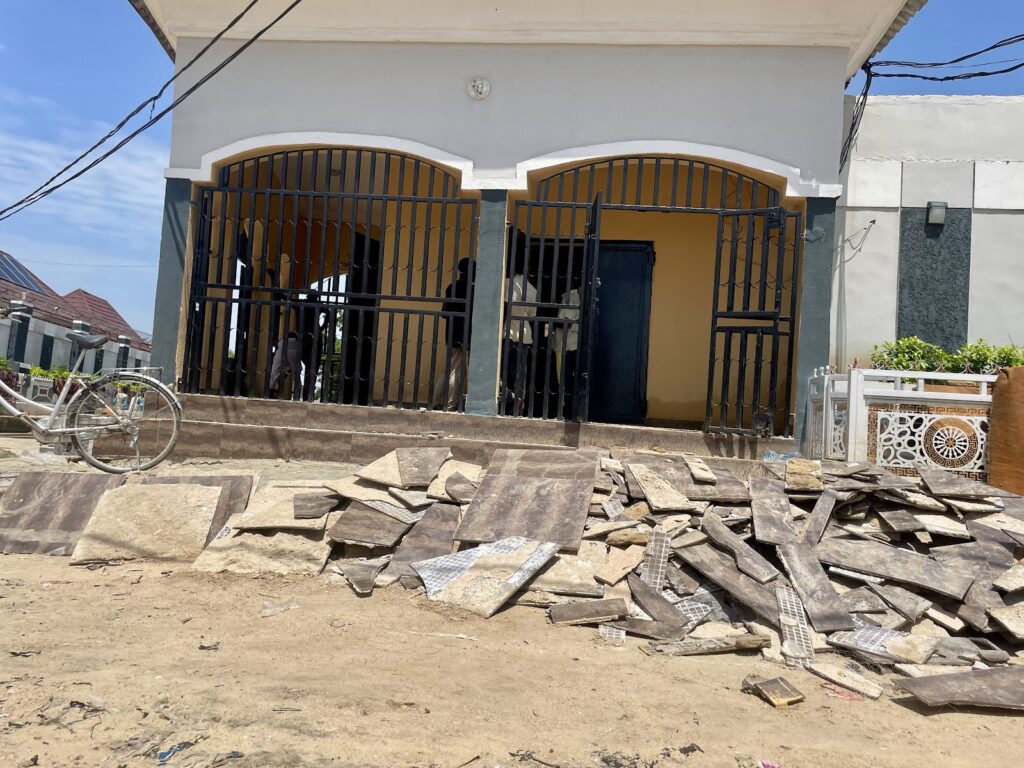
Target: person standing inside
[
  {"x": 519, "y": 362},
  {"x": 298, "y": 350},
  {"x": 457, "y": 308}
]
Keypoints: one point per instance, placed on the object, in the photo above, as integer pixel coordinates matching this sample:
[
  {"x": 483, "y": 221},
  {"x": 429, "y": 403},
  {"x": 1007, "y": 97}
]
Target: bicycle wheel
[{"x": 125, "y": 422}]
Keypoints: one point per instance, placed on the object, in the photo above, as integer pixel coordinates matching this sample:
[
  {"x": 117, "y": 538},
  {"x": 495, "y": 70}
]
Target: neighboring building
[
  {"x": 660, "y": 162},
  {"x": 949, "y": 283},
  {"x": 35, "y": 331}
]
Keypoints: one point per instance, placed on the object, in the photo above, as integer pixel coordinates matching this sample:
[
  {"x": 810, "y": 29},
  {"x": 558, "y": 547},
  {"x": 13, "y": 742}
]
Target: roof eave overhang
[{"x": 147, "y": 16}]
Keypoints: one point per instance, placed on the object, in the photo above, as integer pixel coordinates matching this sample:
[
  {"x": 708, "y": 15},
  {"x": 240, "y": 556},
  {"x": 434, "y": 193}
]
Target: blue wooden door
[{"x": 618, "y": 357}]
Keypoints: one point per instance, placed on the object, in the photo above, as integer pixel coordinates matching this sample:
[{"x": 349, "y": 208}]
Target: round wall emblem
[
  {"x": 479, "y": 88},
  {"x": 951, "y": 442}
]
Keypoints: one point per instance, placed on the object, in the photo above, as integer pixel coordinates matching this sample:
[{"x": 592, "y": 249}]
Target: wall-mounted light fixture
[{"x": 936, "y": 214}]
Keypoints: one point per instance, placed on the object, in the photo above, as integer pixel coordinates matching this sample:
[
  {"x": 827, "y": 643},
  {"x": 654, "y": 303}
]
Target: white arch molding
[{"x": 511, "y": 179}]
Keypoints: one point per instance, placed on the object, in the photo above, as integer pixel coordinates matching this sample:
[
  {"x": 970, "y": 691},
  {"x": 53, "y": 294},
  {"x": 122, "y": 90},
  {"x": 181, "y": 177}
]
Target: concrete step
[{"x": 234, "y": 427}]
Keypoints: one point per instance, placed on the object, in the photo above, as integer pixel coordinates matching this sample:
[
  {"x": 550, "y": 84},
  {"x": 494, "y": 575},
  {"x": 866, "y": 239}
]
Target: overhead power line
[{"x": 41, "y": 194}]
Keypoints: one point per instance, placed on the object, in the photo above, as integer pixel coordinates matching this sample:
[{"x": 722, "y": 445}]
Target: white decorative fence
[{"x": 899, "y": 419}]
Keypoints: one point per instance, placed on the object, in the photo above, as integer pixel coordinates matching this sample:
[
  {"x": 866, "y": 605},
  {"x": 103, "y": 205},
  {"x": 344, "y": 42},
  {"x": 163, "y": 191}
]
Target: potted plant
[
  {"x": 9, "y": 377},
  {"x": 914, "y": 354}
]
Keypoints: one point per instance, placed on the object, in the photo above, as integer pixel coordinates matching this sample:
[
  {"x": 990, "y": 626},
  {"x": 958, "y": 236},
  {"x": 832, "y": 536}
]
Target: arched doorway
[
  {"x": 331, "y": 274},
  {"x": 652, "y": 289}
]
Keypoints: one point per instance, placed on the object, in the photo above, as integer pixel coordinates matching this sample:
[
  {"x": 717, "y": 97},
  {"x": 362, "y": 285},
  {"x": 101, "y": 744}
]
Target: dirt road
[{"x": 394, "y": 681}]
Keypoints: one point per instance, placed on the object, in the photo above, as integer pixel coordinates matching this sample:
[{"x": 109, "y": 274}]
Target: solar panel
[{"x": 12, "y": 271}]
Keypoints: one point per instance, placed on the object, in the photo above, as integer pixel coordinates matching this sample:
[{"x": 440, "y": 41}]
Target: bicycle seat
[{"x": 86, "y": 341}]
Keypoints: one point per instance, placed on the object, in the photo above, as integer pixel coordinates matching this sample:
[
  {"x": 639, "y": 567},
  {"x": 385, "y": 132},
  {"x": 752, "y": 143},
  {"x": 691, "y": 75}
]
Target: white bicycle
[{"x": 120, "y": 421}]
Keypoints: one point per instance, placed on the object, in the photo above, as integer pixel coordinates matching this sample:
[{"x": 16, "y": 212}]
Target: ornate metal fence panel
[{"x": 332, "y": 274}]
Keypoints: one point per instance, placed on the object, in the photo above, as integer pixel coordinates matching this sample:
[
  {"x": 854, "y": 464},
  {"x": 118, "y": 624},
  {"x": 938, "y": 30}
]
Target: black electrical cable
[
  {"x": 951, "y": 78},
  {"x": 858, "y": 112},
  {"x": 938, "y": 64},
  {"x": 24, "y": 203},
  {"x": 152, "y": 100}
]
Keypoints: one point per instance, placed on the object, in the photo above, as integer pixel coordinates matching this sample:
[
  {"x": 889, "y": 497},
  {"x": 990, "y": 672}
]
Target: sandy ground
[
  {"x": 393, "y": 681},
  {"x": 107, "y": 667}
]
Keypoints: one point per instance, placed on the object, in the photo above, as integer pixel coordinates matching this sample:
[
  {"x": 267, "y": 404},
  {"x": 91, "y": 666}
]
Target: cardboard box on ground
[{"x": 812, "y": 564}]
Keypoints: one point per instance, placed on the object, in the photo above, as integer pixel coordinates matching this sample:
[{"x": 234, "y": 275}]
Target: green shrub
[
  {"x": 5, "y": 364},
  {"x": 913, "y": 354},
  {"x": 40, "y": 373}
]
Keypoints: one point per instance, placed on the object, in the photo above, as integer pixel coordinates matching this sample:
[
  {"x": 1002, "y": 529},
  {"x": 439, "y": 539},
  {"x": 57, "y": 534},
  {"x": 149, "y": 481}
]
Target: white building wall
[
  {"x": 779, "y": 103},
  {"x": 965, "y": 151}
]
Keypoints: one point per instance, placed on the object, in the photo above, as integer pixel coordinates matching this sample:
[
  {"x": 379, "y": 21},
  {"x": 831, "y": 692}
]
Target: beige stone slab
[
  {"x": 943, "y": 525},
  {"x": 273, "y": 509},
  {"x": 927, "y": 670},
  {"x": 660, "y": 495},
  {"x": 358, "y": 489},
  {"x": 846, "y": 678},
  {"x": 384, "y": 471},
  {"x": 619, "y": 562},
  {"x": 600, "y": 530},
  {"x": 151, "y": 522},
  {"x": 1010, "y": 618},
  {"x": 574, "y": 574},
  {"x": 975, "y": 506},
  {"x": 700, "y": 470},
  {"x": 913, "y": 498},
  {"x": 418, "y": 467},
  {"x": 639, "y": 534},
  {"x": 1012, "y": 580},
  {"x": 803, "y": 475},
  {"x": 283, "y": 552},
  {"x": 945, "y": 619},
  {"x": 1001, "y": 521}
]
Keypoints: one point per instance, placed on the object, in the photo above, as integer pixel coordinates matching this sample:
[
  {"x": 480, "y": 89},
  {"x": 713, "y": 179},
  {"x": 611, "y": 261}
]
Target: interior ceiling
[{"x": 859, "y": 27}]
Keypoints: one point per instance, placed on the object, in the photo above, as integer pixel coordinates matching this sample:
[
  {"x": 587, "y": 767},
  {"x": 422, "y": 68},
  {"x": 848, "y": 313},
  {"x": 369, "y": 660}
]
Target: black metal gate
[
  {"x": 551, "y": 264},
  {"x": 757, "y": 259},
  {"x": 332, "y": 274}
]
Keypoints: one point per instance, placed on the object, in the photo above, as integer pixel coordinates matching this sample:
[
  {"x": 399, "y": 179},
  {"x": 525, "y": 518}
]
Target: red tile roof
[{"x": 102, "y": 317}]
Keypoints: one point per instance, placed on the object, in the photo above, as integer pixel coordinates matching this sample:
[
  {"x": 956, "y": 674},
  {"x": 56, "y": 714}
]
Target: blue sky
[{"x": 70, "y": 69}]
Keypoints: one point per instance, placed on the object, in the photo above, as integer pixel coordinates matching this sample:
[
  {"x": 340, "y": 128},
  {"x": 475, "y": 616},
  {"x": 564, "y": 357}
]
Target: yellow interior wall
[{"x": 681, "y": 292}]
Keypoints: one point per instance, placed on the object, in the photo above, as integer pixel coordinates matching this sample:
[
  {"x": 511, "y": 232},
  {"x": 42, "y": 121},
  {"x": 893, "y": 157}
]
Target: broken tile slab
[
  {"x": 574, "y": 574},
  {"x": 912, "y": 498},
  {"x": 816, "y": 592},
  {"x": 612, "y": 635},
  {"x": 943, "y": 525},
  {"x": 967, "y": 651},
  {"x": 431, "y": 537},
  {"x": 688, "y": 539},
  {"x": 627, "y": 537},
  {"x": 362, "y": 573},
  {"x": 1011, "y": 581},
  {"x": 384, "y": 471},
  {"x": 777, "y": 691},
  {"x": 658, "y": 492},
  {"x": 819, "y": 517},
  {"x": 796, "y": 637},
  {"x": 282, "y": 553},
  {"x": 482, "y": 579},
  {"x": 840, "y": 469},
  {"x": 868, "y": 640},
  {"x": 721, "y": 569},
  {"x": 747, "y": 560},
  {"x": 928, "y": 670},
  {"x": 637, "y": 511},
  {"x": 655, "y": 560},
  {"x": 693, "y": 611},
  {"x": 999, "y": 688},
  {"x": 699, "y": 470},
  {"x": 894, "y": 564},
  {"x": 273, "y": 509},
  {"x": 357, "y": 489},
  {"x": 847, "y": 678},
  {"x": 710, "y": 645},
  {"x": 650, "y": 600},
  {"x": 411, "y": 499},
  {"x": 861, "y": 600},
  {"x": 942, "y": 483},
  {"x": 847, "y": 573},
  {"x": 1010, "y": 618},
  {"x": 652, "y": 630},
  {"x": 773, "y": 523},
  {"x": 803, "y": 475},
  {"x": 436, "y": 489},
  {"x": 578, "y": 465},
  {"x": 899, "y": 519},
  {"x": 612, "y": 508},
  {"x": 417, "y": 467},
  {"x": 45, "y": 513},
  {"x": 360, "y": 524},
  {"x": 400, "y": 513},
  {"x": 588, "y": 612},
  {"x": 682, "y": 583},
  {"x": 149, "y": 522},
  {"x": 545, "y": 509},
  {"x": 312, "y": 506},
  {"x": 928, "y": 628},
  {"x": 912, "y": 606},
  {"x": 460, "y": 488},
  {"x": 620, "y": 562},
  {"x": 235, "y": 493},
  {"x": 1001, "y": 521},
  {"x": 534, "y": 598},
  {"x": 945, "y": 619},
  {"x": 602, "y": 529},
  {"x": 975, "y": 506}
]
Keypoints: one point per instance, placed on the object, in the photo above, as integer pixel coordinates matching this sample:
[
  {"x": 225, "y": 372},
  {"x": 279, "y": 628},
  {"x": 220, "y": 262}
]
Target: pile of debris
[{"x": 803, "y": 560}]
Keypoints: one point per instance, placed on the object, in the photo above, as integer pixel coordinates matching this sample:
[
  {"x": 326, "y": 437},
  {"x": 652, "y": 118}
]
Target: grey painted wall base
[
  {"x": 167, "y": 308},
  {"x": 813, "y": 335},
  {"x": 934, "y": 277},
  {"x": 482, "y": 390}
]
